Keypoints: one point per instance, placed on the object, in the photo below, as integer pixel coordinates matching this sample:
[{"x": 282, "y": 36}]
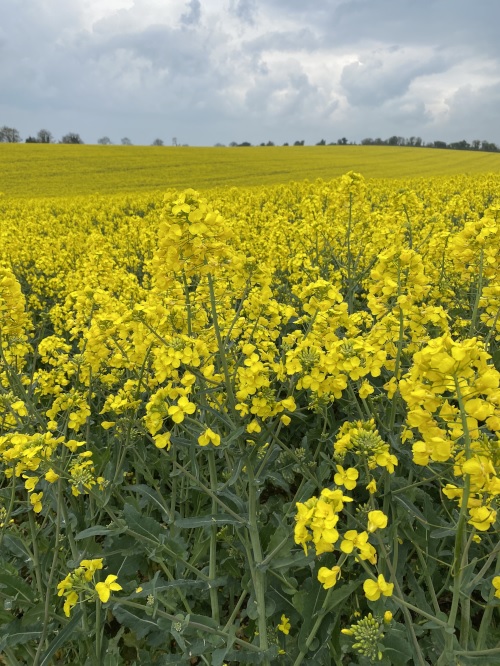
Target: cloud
[
  {"x": 241, "y": 68},
  {"x": 385, "y": 74},
  {"x": 193, "y": 15},
  {"x": 244, "y": 10}
]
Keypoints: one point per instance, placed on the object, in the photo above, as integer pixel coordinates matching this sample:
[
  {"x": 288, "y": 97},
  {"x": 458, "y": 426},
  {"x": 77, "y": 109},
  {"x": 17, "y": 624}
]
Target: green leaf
[
  {"x": 141, "y": 524},
  {"x": 397, "y": 648},
  {"x": 206, "y": 521},
  {"x": 442, "y": 532},
  {"x": 70, "y": 630},
  {"x": 100, "y": 530},
  {"x": 152, "y": 495},
  {"x": 343, "y": 592},
  {"x": 412, "y": 509},
  {"x": 15, "y": 587},
  {"x": 15, "y": 633},
  {"x": 140, "y": 623}
]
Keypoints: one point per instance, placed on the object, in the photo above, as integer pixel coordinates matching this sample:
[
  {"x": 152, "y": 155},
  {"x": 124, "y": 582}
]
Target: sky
[{"x": 217, "y": 71}]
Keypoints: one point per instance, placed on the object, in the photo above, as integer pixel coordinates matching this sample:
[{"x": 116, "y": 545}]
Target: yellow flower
[
  {"x": 91, "y": 567},
  {"x": 183, "y": 407},
  {"x": 373, "y": 589},
  {"x": 376, "y": 520},
  {"x": 328, "y": 577},
  {"x": 104, "y": 589},
  {"x": 209, "y": 436},
  {"x": 51, "y": 476},
  {"x": 35, "y": 499},
  {"x": 346, "y": 477},
  {"x": 496, "y": 585},
  {"x": 285, "y": 625},
  {"x": 30, "y": 483},
  {"x": 372, "y": 487},
  {"x": 71, "y": 601},
  {"x": 365, "y": 390},
  {"x": 162, "y": 441},
  {"x": 482, "y": 517},
  {"x": 387, "y": 617}
]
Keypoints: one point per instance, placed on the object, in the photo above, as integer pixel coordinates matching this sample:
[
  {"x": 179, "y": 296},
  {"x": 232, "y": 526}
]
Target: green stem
[
  {"x": 209, "y": 492},
  {"x": 485, "y": 625},
  {"x": 195, "y": 625},
  {"x": 212, "y": 567},
  {"x": 260, "y": 574},
  {"x": 36, "y": 555},
  {"x": 314, "y": 630},
  {"x": 460, "y": 550},
  {"x": 98, "y": 630},
  {"x": 48, "y": 596}
]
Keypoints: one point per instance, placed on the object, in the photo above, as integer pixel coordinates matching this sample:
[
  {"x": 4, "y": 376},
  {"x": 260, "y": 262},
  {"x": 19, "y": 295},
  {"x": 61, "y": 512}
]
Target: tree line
[{"x": 11, "y": 135}]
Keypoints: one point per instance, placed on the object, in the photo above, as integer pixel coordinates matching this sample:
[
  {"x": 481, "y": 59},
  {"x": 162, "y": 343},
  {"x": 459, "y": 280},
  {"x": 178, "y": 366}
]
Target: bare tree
[
  {"x": 71, "y": 137},
  {"x": 44, "y": 136},
  {"x": 9, "y": 135},
  {"x": 126, "y": 141},
  {"x": 104, "y": 141}
]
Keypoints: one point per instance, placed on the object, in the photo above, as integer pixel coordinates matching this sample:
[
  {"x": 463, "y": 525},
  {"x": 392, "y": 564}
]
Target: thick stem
[
  {"x": 212, "y": 567},
  {"x": 260, "y": 574}
]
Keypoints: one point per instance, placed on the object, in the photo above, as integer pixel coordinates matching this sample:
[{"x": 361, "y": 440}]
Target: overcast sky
[{"x": 208, "y": 71}]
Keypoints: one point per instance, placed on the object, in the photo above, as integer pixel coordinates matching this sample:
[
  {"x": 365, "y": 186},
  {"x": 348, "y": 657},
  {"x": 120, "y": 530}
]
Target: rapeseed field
[
  {"x": 41, "y": 170},
  {"x": 250, "y": 425}
]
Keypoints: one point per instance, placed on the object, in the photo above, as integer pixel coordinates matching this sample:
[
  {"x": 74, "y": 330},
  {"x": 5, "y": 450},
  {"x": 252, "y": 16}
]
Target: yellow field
[
  {"x": 29, "y": 170},
  {"x": 258, "y": 424}
]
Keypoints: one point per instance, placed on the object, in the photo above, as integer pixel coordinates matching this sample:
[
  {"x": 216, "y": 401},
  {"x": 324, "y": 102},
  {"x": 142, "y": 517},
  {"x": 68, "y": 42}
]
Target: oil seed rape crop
[{"x": 252, "y": 426}]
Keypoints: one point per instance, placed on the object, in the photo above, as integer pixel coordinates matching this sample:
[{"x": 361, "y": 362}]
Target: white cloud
[{"x": 220, "y": 70}]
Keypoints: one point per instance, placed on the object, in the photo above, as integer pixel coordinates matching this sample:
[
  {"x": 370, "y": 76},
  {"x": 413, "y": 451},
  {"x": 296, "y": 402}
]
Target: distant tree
[
  {"x": 321, "y": 143},
  {"x": 298, "y": 143},
  {"x": 9, "y": 135},
  {"x": 126, "y": 141},
  {"x": 418, "y": 142},
  {"x": 71, "y": 137},
  {"x": 245, "y": 144},
  {"x": 460, "y": 145},
  {"x": 31, "y": 139},
  {"x": 489, "y": 147},
  {"x": 220, "y": 145},
  {"x": 44, "y": 136},
  {"x": 286, "y": 143},
  {"x": 104, "y": 141},
  {"x": 367, "y": 142},
  {"x": 270, "y": 143},
  {"x": 174, "y": 141},
  {"x": 342, "y": 141},
  {"x": 439, "y": 144},
  {"x": 157, "y": 142},
  {"x": 233, "y": 144}
]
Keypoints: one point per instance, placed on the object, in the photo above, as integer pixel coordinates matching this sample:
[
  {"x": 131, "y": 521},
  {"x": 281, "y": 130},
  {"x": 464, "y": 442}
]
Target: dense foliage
[{"x": 252, "y": 426}]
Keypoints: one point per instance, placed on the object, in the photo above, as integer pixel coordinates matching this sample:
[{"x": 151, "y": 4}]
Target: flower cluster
[{"x": 80, "y": 584}]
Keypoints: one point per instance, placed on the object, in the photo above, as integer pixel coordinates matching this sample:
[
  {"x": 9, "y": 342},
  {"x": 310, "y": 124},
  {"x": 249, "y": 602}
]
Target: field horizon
[{"x": 34, "y": 170}]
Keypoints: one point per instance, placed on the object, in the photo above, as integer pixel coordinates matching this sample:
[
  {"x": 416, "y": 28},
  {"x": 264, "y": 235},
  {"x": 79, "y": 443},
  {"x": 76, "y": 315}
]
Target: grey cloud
[
  {"x": 381, "y": 77},
  {"x": 442, "y": 23},
  {"x": 473, "y": 113},
  {"x": 245, "y": 10},
  {"x": 193, "y": 15},
  {"x": 303, "y": 39}
]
